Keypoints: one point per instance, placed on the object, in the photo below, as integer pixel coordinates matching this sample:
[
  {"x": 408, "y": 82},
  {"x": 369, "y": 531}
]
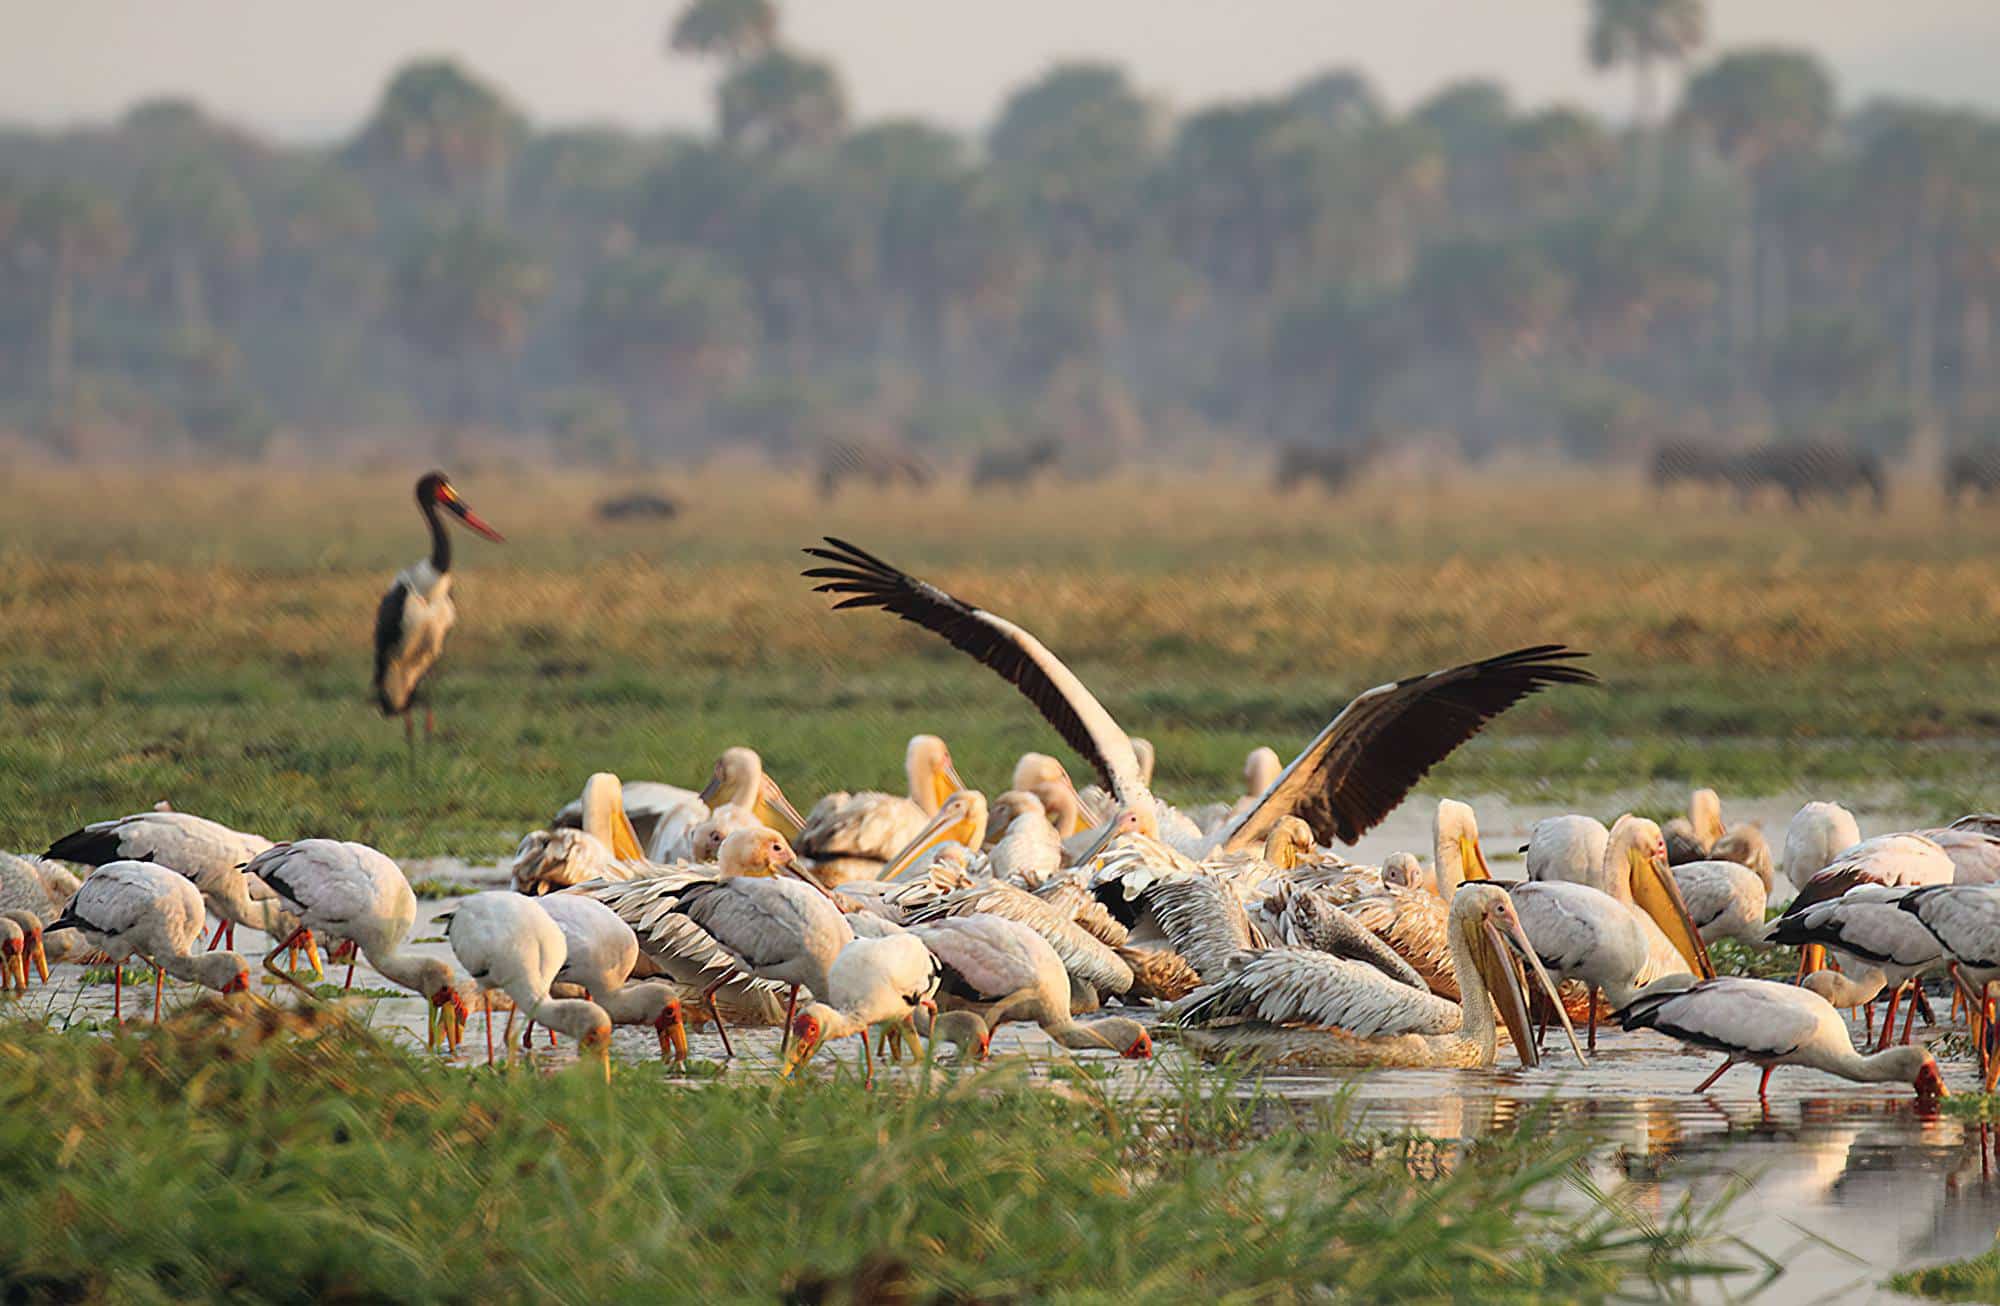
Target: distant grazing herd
[{"x": 1802, "y": 470}]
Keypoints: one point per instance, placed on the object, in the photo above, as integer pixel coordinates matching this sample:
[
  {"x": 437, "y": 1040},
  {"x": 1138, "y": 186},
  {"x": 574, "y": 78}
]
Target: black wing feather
[
  {"x": 1383, "y": 742},
  {"x": 389, "y": 638},
  {"x": 88, "y": 847},
  {"x": 870, "y": 582}
]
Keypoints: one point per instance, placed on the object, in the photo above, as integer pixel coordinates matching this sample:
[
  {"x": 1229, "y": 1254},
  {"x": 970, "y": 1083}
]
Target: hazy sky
[{"x": 311, "y": 70}]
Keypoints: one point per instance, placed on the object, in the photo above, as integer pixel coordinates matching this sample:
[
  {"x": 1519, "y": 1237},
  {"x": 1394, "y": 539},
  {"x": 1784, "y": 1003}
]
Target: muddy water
[{"x": 1840, "y": 1185}]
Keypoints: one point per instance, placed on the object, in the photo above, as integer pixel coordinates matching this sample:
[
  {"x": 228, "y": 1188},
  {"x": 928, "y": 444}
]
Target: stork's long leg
[
  {"x": 220, "y": 930},
  {"x": 1910, "y": 1016},
  {"x": 1593, "y": 1017},
  {"x": 159, "y": 990},
  {"x": 486, "y": 999},
  {"x": 1703, "y": 1086},
  {"x": 791, "y": 1007},
  {"x": 708, "y": 1000},
  {"x": 118, "y": 991},
  {"x": 868, "y": 1057},
  {"x": 271, "y": 959},
  {"x": 1764, "y": 1084}
]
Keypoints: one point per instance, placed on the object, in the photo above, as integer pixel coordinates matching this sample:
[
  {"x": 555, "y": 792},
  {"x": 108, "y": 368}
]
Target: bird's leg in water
[
  {"x": 271, "y": 961},
  {"x": 1889, "y": 1017},
  {"x": 1910, "y": 1016},
  {"x": 1867, "y": 1014},
  {"x": 231, "y": 939},
  {"x": 159, "y": 984},
  {"x": 220, "y": 930},
  {"x": 708, "y": 1000},
  {"x": 1593, "y": 1017},
  {"x": 507, "y": 1034},
  {"x": 118, "y": 991},
  {"x": 486, "y": 999},
  {"x": 1764, "y": 1084},
  {"x": 1922, "y": 1004},
  {"x": 868, "y": 1057},
  {"x": 1703, "y": 1086}
]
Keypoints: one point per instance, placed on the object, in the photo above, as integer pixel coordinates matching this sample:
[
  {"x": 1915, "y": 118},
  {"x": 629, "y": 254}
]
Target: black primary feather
[
  {"x": 88, "y": 847},
  {"x": 1371, "y": 755},
  {"x": 869, "y": 582}
]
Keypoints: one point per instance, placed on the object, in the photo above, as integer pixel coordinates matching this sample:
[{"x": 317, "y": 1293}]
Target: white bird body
[
  {"x": 1003, "y": 970},
  {"x": 1095, "y": 970},
  {"x": 207, "y": 852},
  {"x": 549, "y": 861},
  {"x": 1029, "y": 852},
  {"x": 1725, "y": 899},
  {"x": 127, "y": 908},
  {"x": 1975, "y": 855},
  {"x": 1769, "y": 1025},
  {"x": 873, "y": 982},
  {"x": 1965, "y": 921},
  {"x": 1888, "y": 860},
  {"x": 1288, "y": 1006},
  {"x": 600, "y": 951},
  {"x": 1818, "y": 833},
  {"x": 852, "y": 836},
  {"x": 1878, "y": 944},
  {"x": 507, "y": 941},
  {"x": 1568, "y": 849},
  {"x": 422, "y": 595},
  {"x": 350, "y": 891}
]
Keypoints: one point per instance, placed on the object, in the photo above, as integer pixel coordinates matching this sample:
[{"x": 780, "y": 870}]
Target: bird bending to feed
[
  {"x": 756, "y": 925},
  {"x": 1965, "y": 921},
  {"x": 130, "y": 907},
  {"x": 350, "y": 891},
  {"x": 600, "y": 951},
  {"x": 417, "y": 613},
  {"x": 871, "y": 982},
  {"x": 1001, "y": 970},
  {"x": 42, "y": 889},
  {"x": 1293, "y": 1007},
  {"x": 207, "y": 852},
  {"x": 1768, "y": 1024},
  {"x": 1350, "y": 777},
  {"x": 506, "y": 941}
]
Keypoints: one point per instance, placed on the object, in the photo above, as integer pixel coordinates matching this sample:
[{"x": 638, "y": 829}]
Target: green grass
[
  {"x": 222, "y": 664},
  {"x": 274, "y": 1157},
  {"x": 106, "y": 975},
  {"x": 433, "y": 887},
  {"x": 1976, "y": 1278}
]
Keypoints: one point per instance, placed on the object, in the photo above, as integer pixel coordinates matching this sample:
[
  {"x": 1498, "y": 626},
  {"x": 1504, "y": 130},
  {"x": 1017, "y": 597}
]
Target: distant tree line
[{"x": 1096, "y": 273}]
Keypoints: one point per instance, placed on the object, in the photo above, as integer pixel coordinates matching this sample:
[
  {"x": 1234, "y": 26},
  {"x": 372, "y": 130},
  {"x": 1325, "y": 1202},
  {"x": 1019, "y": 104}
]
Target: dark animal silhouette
[
  {"x": 1333, "y": 466},
  {"x": 1017, "y": 466},
  {"x": 880, "y": 465},
  {"x": 1677, "y": 462},
  {"x": 638, "y": 507},
  {"x": 1977, "y": 470},
  {"x": 1804, "y": 469}
]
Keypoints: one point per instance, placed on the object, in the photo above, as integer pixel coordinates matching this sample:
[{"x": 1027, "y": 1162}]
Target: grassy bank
[
  {"x": 204, "y": 639},
  {"x": 276, "y": 1157}
]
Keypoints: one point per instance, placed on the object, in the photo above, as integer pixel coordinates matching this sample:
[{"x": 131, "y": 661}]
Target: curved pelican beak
[
  {"x": 1503, "y": 982},
  {"x": 946, "y": 782},
  {"x": 946, "y": 825},
  {"x": 1472, "y": 862},
  {"x": 776, "y": 810},
  {"x": 604, "y": 817},
  {"x": 790, "y": 862},
  {"x": 449, "y": 498},
  {"x": 1658, "y": 894},
  {"x": 711, "y": 789}
]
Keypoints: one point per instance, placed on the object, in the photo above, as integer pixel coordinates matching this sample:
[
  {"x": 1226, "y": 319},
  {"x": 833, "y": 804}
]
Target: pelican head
[
  {"x": 759, "y": 850},
  {"x": 1705, "y": 815},
  {"x": 961, "y": 820},
  {"x": 1009, "y": 808},
  {"x": 739, "y": 778},
  {"x": 1404, "y": 871},
  {"x": 1636, "y": 856},
  {"x": 1128, "y": 820},
  {"x": 933, "y": 778},
  {"x": 1046, "y": 778},
  {"x": 1456, "y": 857},
  {"x": 604, "y": 817},
  {"x": 434, "y": 490},
  {"x": 1289, "y": 841},
  {"x": 1260, "y": 771},
  {"x": 1487, "y": 929}
]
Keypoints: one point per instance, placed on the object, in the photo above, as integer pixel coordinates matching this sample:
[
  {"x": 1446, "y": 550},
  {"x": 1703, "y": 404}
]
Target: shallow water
[{"x": 1840, "y": 1184}]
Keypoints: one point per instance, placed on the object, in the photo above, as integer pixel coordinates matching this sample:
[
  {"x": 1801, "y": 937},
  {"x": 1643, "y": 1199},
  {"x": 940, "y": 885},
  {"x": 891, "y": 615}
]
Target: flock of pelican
[{"x": 940, "y": 914}]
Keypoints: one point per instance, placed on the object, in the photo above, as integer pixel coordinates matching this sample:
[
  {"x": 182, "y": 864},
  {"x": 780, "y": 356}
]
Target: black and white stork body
[
  {"x": 128, "y": 907},
  {"x": 417, "y": 612},
  {"x": 1347, "y": 779},
  {"x": 1768, "y": 1024},
  {"x": 209, "y": 853}
]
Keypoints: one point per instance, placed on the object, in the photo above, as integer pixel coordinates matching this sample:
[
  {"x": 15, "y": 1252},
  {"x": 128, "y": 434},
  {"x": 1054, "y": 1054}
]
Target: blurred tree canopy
[{"x": 1307, "y": 266}]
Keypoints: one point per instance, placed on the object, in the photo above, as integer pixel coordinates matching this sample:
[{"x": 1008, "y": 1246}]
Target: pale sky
[{"x": 311, "y": 70}]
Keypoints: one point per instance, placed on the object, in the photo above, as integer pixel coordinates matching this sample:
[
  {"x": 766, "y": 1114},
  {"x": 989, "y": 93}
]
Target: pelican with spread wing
[{"x": 1345, "y": 781}]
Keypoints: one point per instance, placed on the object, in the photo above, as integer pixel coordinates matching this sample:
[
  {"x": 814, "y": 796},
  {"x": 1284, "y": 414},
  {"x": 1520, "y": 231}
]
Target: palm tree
[
  {"x": 731, "y": 29},
  {"x": 782, "y": 101},
  {"x": 1074, "y": 147},
  {"x": 463, "y": 293},
  {"x": 1333, "y": 350},
  {"x": 1764, "y": 112},
  {"x": 1639, "y": 32},
  {"x": 69, "y": 231},
  {"x": 448, "y": 129},
  {"x": 666, "y": 326},
  {"x": 193, "y": 223},
  {"x": 1555, "y": 158},
  {"x": 1490, "y": 301}
]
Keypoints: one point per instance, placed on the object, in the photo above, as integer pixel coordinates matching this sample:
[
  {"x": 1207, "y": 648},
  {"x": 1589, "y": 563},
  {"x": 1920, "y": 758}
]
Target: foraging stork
[
  {"x": 417, "y": 613},
  {"x": 1965, "y": 920},
  {"x": 755, "y": 925},
  {"x": 879, "y": 981},
  {"x": 601, "y": 951},
  {"x": 1768, "y": 1024},
  {"x": 1878, "y": 945},
  {"x": 1002, "y": 970},
  {"x": 127, "y": 907},
  {"x": 209, "y": 853},
  {"x": 1295, "y": 1007},
  {"x": 350, "y": 891},
  {"x": 506, "y": 941},
  {"x": 25, "y": 934},
  {"x": 1345, "y": 781},
  {"x": 31, "y": 885}
]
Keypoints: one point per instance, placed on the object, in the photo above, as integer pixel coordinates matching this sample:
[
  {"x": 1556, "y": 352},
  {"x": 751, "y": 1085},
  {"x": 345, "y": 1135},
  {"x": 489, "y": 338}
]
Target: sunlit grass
[
  {"x": 204, "y": 639},
  {"x": 273, "y": 1156}
]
